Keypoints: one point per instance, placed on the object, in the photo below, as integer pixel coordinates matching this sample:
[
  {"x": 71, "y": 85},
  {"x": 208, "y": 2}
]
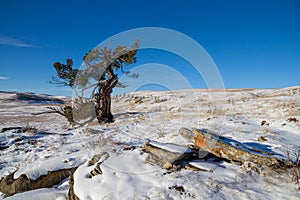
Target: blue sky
[{"x": 255, "y": 44}]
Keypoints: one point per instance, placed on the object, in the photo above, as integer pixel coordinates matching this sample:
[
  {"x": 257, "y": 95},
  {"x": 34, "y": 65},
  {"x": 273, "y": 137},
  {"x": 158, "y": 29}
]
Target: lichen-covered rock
[
  {"x": 235, "y": 151},
  {"x": 187, "y": 134},
  {"x": 10, "y": 186}
]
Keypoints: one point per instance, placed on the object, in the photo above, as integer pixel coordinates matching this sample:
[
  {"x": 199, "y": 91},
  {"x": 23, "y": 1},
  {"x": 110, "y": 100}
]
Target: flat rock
[
  {"x": 166, "y": 155},
  {"x": 235, "y": 151}
]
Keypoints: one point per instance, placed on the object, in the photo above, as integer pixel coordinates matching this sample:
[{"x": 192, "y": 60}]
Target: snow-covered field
[{"x": 157, "y": 116}]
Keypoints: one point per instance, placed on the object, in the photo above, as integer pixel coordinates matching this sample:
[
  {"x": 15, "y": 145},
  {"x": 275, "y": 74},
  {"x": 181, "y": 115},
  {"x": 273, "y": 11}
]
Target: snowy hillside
[{"x": 264, "y": 119}]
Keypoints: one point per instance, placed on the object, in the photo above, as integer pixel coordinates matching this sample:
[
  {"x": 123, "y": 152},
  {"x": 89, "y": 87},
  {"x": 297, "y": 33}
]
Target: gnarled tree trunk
[{"x": 103, "y": 100}]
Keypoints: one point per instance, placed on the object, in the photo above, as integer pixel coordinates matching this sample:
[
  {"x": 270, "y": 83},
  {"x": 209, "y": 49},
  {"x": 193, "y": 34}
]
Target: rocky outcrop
[
  {"x": 235, "y": 151},
  {"x": 167, "y": 155},
  {"x": 10, "y": 186}
]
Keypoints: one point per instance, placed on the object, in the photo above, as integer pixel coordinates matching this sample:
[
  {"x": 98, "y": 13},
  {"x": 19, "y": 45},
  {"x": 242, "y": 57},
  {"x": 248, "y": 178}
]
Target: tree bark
[{"x": 103, "y": 100}]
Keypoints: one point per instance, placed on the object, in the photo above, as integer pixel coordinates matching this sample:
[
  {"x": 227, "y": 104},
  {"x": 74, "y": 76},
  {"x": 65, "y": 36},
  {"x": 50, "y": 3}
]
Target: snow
[
  {"x": 41, "y": 194},
  {"x": 170, "y": 147},
  {"x": 42, "y": 166},
  {"x": 124, "y": 177},
  {"x": 207, "y": 166},
  {"x": 141, "y": 117}
]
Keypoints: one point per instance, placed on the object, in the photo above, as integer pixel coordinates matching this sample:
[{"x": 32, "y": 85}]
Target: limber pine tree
[{"x": 98, "y": 78}]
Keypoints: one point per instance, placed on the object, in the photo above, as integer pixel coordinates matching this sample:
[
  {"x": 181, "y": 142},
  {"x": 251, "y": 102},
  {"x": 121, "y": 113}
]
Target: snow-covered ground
[{"x": 156, "y": 116}]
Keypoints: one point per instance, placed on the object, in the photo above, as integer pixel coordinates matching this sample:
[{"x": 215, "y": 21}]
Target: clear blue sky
[{"x": 255, "y": 43}]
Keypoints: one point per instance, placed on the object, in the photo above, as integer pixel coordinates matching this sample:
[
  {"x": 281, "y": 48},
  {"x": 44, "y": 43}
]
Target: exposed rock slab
[
  {"x": 10, "y": 186},
  {"x": 235, "y": 151},
  {"x": 167, "y": 155}
]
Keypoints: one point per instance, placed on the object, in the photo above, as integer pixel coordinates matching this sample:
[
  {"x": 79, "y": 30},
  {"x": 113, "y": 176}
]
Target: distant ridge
[
  {"x": 32, "y": 98},
  {"x": 7, "y": 92}
]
